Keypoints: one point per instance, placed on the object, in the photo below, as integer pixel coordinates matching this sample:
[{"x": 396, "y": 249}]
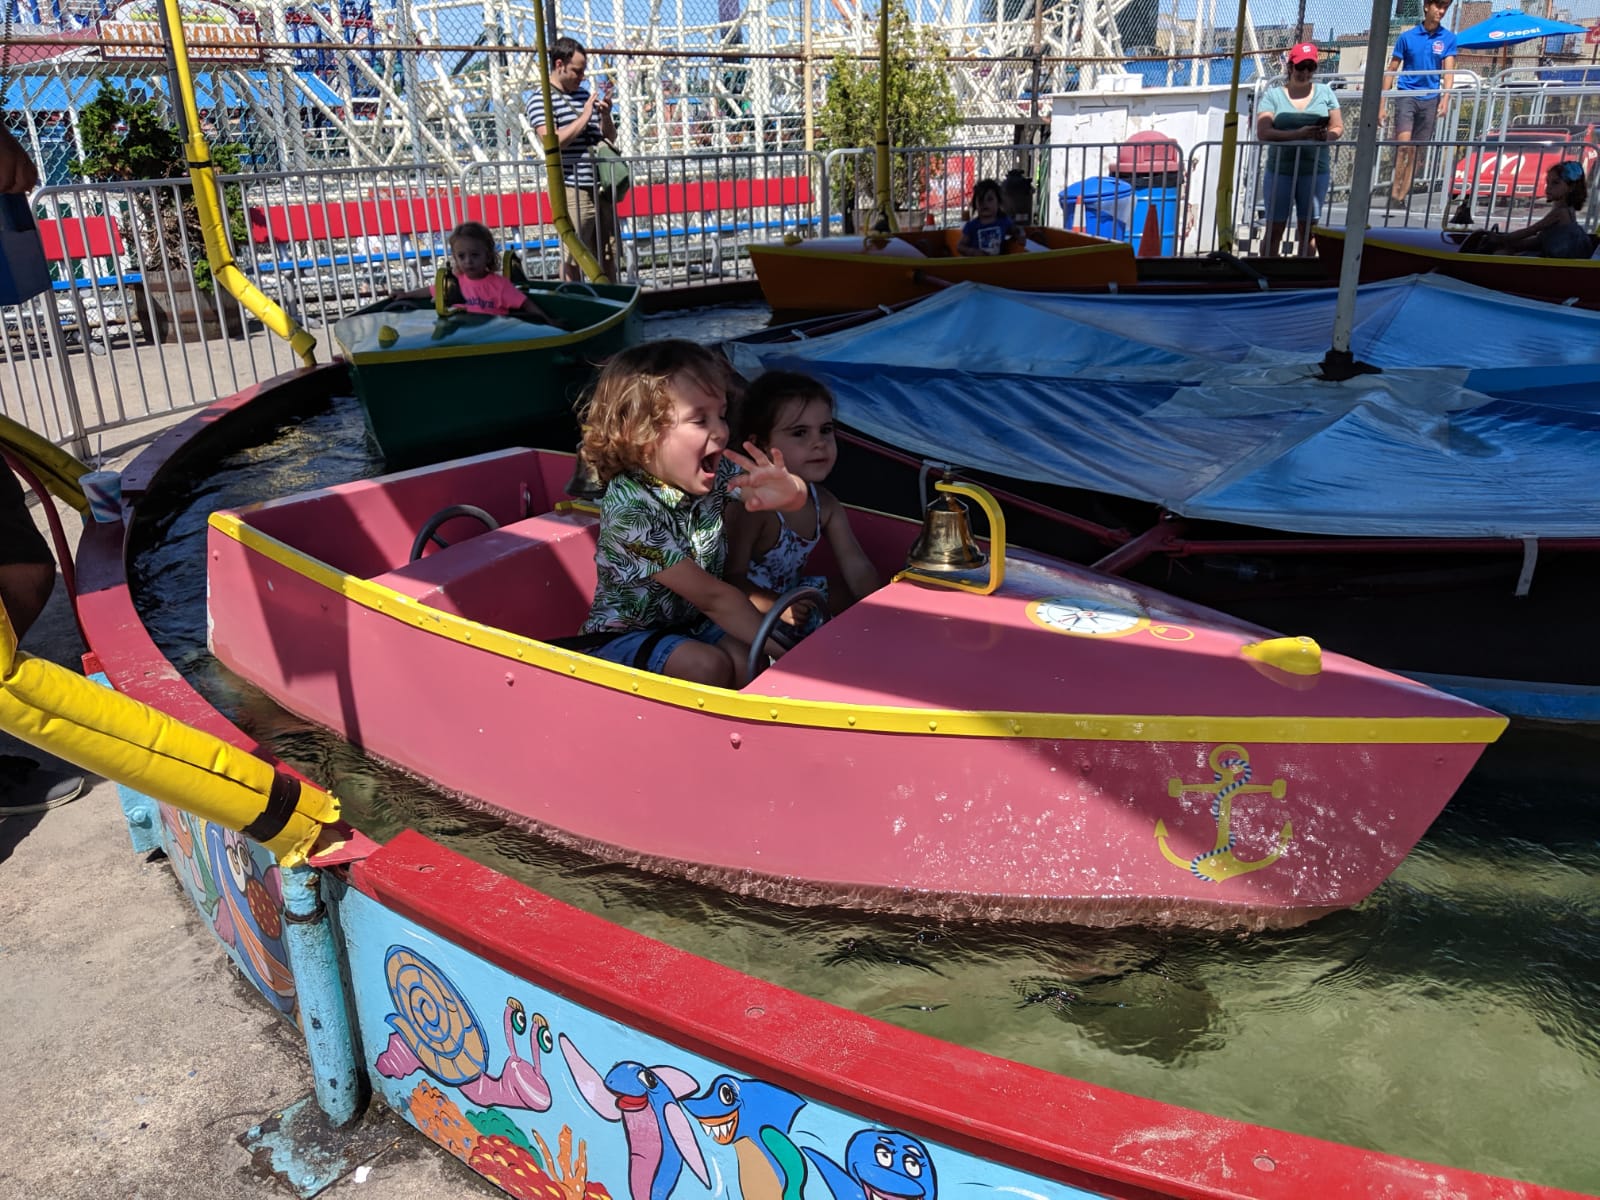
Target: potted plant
[
  {"x": 132, "y": 139},
  {"x": 922, "y": 112}
]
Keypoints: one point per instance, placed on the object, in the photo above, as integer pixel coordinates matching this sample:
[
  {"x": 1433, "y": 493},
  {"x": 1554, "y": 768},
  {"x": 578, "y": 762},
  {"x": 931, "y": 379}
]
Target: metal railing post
[{"x": 320, "y": 992}]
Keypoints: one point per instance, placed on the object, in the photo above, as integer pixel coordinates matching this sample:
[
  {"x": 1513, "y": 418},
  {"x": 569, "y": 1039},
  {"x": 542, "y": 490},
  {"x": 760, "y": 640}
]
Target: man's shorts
[
  {"x": 20, "y": 539},
  {"x": 595, "y": 221},
  {"x": 649, "y": 649},
  {"x": 1417, "y": 116}
]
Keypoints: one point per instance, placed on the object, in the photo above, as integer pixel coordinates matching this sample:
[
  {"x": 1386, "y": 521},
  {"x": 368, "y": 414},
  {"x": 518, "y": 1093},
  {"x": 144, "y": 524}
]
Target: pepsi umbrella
[{"x": 1508, "y": 27}]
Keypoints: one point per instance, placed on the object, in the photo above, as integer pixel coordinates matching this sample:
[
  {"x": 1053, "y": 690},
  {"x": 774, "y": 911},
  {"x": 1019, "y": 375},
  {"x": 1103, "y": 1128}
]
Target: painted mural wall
[
  {"x": 554, "y": 1102},
  {"x": 234, "y": 883}
]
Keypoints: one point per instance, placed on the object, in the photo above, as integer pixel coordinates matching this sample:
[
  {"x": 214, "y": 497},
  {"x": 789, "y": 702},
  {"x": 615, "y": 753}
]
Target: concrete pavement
[{"x": 135, "y": 1054}]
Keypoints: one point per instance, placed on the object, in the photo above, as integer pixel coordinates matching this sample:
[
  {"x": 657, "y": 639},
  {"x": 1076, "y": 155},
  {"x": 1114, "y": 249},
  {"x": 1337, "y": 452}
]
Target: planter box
[{"x": 170, "y": 307}]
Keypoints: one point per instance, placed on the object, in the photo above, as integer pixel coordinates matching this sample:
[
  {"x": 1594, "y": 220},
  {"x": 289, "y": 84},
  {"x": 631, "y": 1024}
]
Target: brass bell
[
  {"x": 585, "y": 483},
  {"x": 946, "y": 544}
]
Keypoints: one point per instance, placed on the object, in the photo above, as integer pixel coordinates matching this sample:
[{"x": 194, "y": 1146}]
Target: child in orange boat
[
  {"x": 990, "y": 231},
  {"x": 483, "y": 289},
  {"x": 791, "y": 416},
  {"x": 655, "y": 431}
]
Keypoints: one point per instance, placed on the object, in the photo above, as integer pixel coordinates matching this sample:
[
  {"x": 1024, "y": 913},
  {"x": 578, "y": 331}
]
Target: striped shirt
[{"x": 577, "y": 156}]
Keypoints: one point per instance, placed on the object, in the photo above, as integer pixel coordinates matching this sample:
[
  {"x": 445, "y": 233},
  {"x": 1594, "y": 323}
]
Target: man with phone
[{"x": 583, "y": 120}]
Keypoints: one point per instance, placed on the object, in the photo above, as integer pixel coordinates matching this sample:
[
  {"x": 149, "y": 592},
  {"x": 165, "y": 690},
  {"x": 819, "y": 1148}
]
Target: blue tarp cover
[{"x": 1209, "y": 405}]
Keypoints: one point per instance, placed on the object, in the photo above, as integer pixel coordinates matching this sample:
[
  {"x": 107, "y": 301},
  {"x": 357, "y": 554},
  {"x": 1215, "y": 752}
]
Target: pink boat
[{"x": 1064, "y": 747}]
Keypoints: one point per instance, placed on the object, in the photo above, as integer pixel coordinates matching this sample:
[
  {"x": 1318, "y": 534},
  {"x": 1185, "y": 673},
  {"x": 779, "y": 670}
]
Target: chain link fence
[
  {"x": 369, "y": 127},
  {"x": 370, "y": 83}
]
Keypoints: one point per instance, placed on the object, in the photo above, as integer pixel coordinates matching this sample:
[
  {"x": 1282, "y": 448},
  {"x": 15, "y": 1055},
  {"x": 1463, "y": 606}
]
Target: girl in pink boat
[
  {"x": 655, "y": 432},
  {"x": 791, "y": 417}
]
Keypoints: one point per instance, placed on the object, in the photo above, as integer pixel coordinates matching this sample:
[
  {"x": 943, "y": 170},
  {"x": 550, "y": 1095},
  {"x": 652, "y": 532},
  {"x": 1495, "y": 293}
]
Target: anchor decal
[{"x": 1230, "y": 772}]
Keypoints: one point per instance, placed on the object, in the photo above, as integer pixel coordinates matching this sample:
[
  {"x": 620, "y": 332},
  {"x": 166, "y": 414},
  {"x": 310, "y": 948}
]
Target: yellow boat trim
[
  {"x": 378, "y": 358},
  {"x": 860, "y": 718},
  {"x": 920, "y": 264},
  {"x": 1456, "y": 255}
]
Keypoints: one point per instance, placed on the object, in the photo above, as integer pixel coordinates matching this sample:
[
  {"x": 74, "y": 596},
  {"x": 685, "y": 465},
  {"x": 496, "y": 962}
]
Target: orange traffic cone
[{"x": 1150, "y": 237}]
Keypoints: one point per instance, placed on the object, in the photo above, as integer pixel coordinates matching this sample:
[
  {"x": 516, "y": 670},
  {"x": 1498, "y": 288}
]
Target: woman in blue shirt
[{"x": 1297, "y": 119}]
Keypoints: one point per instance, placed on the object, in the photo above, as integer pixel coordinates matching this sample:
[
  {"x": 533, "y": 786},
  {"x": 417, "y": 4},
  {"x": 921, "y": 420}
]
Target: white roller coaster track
[{"x": 436, "y": 102}]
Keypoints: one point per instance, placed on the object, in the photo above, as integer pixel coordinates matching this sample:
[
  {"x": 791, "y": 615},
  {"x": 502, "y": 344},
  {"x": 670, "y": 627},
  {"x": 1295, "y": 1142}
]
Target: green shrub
[
  {"x": 922, "y": 105},
  {"x": 126, "y": 139}
]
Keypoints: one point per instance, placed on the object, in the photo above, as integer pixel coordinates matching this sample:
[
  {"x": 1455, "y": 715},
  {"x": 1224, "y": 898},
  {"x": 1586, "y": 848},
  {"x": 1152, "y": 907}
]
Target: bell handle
[{"x": 997, "y": 542}]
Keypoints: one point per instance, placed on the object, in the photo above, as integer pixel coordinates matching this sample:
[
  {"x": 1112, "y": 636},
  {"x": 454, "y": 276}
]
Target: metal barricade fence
[
  {"x": 1522, "y": 96},
  {"x": 133, "y": 327},
  {"x": 683, "y": 220},
  {"x": 324, "y": 244},
  {"x": 1093, "y": 187},
  {"x": 130, "y": 332}
]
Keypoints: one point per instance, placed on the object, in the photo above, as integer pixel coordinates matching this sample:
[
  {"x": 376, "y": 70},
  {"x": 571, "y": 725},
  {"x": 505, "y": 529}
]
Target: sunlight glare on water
[{"x": 1453, "y": 1017}]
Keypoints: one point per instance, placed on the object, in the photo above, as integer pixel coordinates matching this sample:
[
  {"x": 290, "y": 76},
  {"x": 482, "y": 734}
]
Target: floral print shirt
[{"x": 647, "y": 526}]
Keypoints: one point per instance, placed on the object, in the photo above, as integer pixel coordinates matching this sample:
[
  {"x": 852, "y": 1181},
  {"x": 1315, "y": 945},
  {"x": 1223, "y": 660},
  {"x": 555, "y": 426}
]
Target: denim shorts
[
  {"x": 1302, "y": 194},
  {"x": 649, "y": 649},
  {"x": 1416, "y": 115}
]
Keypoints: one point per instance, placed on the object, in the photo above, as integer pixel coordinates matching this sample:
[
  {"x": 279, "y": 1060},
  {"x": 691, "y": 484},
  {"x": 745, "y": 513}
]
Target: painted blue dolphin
[
  {"x": 880, "y": 1164},
  {"x": 645, "y": 1099},
  {"x": 746, "y": 1113}
]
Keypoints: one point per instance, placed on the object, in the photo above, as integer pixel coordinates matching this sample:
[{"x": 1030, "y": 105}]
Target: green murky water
[{"x": 1453, "y": 1017}]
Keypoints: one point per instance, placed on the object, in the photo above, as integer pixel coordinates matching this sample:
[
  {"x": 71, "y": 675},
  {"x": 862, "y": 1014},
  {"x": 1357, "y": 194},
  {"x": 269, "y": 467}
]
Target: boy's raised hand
[{"x": 765, "y": 483}]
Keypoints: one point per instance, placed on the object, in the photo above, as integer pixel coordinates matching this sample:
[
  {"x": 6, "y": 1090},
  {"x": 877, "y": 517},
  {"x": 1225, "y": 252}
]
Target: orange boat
[
  {"x": 847, "y": 273},
  {"x": 1391, "y": 253}
]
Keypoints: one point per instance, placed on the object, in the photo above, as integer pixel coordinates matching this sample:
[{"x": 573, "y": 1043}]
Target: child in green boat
[
  {"x": 475, "y": 283},
  {"x": 655, "y": 431}
]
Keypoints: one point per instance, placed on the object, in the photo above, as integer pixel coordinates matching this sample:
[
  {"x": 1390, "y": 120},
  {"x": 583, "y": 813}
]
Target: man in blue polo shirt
[{"x": 1425, "y": 57}]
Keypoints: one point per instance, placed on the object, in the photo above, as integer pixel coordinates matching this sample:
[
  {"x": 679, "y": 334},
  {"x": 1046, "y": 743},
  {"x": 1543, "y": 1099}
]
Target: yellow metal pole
[
  {"x": 556, "y": 183},
  {"x": 123, "y": 739},
  {"x": 1230, "y": 139},
  {"x": 885, "y": 202},
  {"x": 56, "y": 469},
  {"x": 204, "y": 177},
  {"x": 807, "y": 80}
]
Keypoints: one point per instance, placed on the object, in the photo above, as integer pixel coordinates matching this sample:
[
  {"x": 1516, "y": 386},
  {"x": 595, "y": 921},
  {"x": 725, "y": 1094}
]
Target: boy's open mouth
[{"x": 708, "y": 464}]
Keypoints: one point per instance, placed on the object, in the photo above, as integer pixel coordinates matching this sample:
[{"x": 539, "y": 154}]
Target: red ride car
[{"x": 1517, "y": 171}]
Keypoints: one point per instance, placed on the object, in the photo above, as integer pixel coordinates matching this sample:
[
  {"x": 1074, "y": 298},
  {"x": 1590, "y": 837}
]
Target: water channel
[{"x": 1453, "y": 1017}]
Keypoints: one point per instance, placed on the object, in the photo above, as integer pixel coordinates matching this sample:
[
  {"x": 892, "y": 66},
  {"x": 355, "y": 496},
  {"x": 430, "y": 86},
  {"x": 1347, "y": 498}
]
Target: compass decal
[{"x": 1083, "y": 616}]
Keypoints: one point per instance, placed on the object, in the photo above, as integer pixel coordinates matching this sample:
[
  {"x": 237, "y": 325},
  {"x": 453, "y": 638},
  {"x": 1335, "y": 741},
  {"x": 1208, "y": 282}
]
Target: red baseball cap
[{"x": 1304, "y": 52}]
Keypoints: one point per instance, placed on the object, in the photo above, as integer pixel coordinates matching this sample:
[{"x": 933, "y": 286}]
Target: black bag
[{"x": 23, "y": 270}]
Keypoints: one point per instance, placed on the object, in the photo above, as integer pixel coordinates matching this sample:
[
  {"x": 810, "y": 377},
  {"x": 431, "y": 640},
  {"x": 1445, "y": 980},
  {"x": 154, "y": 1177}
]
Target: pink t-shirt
[{"x": 493, "y": 294}]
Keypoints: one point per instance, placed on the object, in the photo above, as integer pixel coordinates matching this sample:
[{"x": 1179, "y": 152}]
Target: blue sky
[{"x": 1344, "y": 16}]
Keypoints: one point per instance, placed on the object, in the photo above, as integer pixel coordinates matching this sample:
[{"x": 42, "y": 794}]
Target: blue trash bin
[
  {"x": 1152, "y": 164},
  {"x": 1165, "y": 201},
  {"x": 1101, "y": 207}
]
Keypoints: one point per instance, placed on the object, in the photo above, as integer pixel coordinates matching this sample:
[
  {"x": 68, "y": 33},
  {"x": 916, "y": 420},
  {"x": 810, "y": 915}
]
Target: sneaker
[{"x": 27, "y": 786}]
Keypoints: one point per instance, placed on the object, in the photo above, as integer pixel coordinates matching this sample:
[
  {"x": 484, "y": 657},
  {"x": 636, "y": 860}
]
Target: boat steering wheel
[
  {"x": 1473, "y": 242},
  {"x": 757, "y": 660},
  {"x": 430, "y": 528},
  {"x": 407, "y": 304},
  {"x": 577, "y": 285}
]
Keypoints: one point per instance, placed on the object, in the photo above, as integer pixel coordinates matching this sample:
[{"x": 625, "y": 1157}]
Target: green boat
[{"x": 436, "y": 387}]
